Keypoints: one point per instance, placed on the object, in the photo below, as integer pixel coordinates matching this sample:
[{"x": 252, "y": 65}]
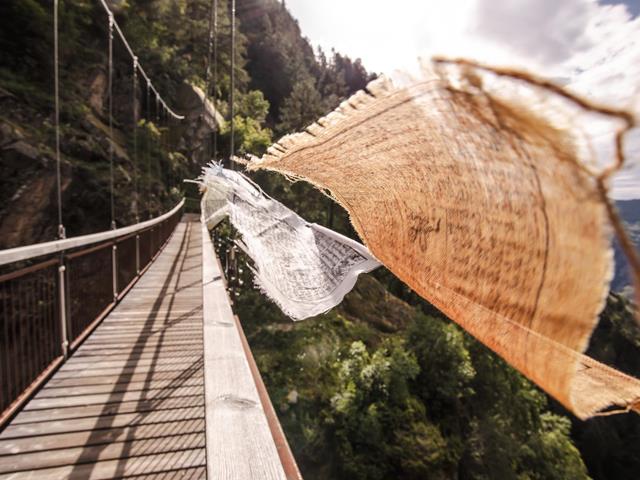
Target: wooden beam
[{"x": 239, "y": 443}]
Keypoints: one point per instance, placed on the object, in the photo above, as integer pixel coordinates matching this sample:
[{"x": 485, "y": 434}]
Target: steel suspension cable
[
  {"x": 111, "y": 200},
  {"x": 56, "y": 74},
  {"x": 147, "y": 144},
  {"x": 215, "y": 77},
  {"x": 135, "y": 137},
  {"x": 157, "y": 140},
  {"x": 233, "y": 80},
  {"x": 130, "y": 50},
  {"x": 207, "y": 78}
]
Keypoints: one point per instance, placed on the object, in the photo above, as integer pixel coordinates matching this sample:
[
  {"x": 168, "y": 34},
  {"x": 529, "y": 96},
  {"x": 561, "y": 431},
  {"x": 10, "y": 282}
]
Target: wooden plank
[
  {"x": 145, "y": 327},
  {"x": 95, "y": 453},
  {"x": 164, "y": 305},
  {"x": 109, "y": 469},
  {"x": 103, "y": 398},
  {"x": 124, "y": 378},
  {"x": 102, "y": 422},
  {"x": 95, "y": 437},
  {"x": 157, "y": 334},
  {"x": 57, "y": 392},
  {"x": 137, "y": 321},
  {"x": 160, "y": 351},
  {"x": 171, "y": 367},
  {"x": 103, "y": 410},
  {"x": 122, "y": 314},
  {"x": 239, "y": 442},
  {"x": 150, "y": 364},
  {"x": 135, "y": 351},
  {"x": 282, "y": 445},
  {"x": 141, "y": 343},
  {"x": 197, "y": 473}
]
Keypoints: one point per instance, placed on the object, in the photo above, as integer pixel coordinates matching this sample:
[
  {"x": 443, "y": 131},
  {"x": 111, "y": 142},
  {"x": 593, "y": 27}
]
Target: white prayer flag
[{"x": 306, "y": 269}]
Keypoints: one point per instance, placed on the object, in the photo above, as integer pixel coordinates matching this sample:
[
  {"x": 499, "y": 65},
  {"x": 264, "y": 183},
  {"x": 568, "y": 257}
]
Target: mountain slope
[{"x": 629, "y": 211}]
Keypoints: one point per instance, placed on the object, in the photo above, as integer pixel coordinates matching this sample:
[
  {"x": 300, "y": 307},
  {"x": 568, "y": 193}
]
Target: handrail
[{"x": 11, "y": 255}]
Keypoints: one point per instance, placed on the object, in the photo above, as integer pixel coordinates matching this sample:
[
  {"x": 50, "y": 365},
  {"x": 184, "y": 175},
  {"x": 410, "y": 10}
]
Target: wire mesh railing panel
[
  {"x": 126, "y": 262},
  {"x": 154, "y": 240},
  {"x": 30, "y": 337},
  {"x": 89, "y": 286},
  {"x": 145, "y": 248}
]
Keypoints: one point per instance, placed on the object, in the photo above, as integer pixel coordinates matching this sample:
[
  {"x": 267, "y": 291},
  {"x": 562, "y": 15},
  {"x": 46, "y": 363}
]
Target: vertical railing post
[
  {"x": 114, "y": 270},
  {"x": 62, "y": 297},
  {"x": 137, "y": 254}
]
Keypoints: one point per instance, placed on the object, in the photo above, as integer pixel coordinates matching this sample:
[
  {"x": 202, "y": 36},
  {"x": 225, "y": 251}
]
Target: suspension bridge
[{"x": 121, "y": 355}]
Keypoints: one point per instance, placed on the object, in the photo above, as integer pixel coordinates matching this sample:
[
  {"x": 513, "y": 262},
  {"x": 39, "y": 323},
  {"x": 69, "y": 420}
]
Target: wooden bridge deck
[{"x": 130, "y": 401}]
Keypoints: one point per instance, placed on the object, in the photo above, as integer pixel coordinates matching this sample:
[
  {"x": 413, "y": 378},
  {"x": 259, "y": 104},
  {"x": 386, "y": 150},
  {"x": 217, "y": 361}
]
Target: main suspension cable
[{"x": 133, "y": 55}]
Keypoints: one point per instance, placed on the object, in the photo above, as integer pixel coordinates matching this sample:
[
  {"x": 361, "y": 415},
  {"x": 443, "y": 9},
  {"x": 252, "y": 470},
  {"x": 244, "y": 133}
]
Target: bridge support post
[
  {"x": 114, "y": 271},
  {"x": 63, "y": 310}
]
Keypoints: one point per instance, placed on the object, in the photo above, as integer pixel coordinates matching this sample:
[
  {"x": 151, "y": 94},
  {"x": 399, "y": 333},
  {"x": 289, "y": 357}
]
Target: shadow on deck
[{"x": 130, "y": 401}]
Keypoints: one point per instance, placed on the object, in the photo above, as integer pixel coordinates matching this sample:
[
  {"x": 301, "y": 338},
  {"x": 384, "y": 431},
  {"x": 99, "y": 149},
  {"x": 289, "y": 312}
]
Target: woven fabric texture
[{"x": 482, "y": 208}]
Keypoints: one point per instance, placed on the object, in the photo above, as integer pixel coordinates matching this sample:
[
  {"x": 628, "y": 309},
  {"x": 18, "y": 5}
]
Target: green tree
[
  {"x": 250, "y": 134},
  {"x": 380, "y": 429},
  {"x": 301, "y": 108}
]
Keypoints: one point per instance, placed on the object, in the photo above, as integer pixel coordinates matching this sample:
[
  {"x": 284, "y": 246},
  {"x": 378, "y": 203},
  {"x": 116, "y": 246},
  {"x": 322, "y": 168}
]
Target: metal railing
[{"x": 48, "y": 307}]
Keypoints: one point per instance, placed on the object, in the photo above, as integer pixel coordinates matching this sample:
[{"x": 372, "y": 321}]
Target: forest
[{"x": 382, "y": 387}]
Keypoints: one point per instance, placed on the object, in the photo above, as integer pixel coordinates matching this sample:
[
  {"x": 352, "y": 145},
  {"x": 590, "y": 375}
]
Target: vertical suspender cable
[
  {"x": 147, "y": 143},
  {"x": 234, "y": 258},
  {"x": 207, "y": 80},
  {"x": 62, "y": 310},
  {"x": 113, "y": 220},
  {"x": 233, "y": 78},
  {"x": 215, "y": 77},
  {"x": 158, "y": 150},
  {"x": 56, "y": 74},
  {"x": 135, "y": 137},
  {"x": 161, "y": 127}
]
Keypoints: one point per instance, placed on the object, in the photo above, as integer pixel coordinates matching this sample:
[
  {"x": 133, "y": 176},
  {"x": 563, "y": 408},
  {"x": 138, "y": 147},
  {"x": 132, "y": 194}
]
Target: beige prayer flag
[{"x": 482, "y": 207}]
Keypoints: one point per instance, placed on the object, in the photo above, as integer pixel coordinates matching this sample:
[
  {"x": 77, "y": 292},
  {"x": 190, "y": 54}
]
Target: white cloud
[{"x": 594, "y": 49}]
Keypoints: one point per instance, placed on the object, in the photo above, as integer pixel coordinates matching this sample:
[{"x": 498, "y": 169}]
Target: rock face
[
  {"x": 198, "y": 127},
  {"x": 34, "y": 201},
  {"x": 371, "y": 302},
  {"x": 28, "y": 188},
  {"x": 142, "y": 178},
  {"x": 97, "y": 87}
]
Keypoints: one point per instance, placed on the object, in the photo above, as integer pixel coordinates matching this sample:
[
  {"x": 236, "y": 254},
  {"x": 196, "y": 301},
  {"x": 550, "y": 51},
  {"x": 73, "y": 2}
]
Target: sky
[{"x": 592, "y": 47}]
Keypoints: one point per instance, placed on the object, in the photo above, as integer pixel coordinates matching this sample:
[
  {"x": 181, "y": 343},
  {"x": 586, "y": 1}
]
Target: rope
[
  {"x": 133, "y": 56},
  {"x": 113, "y": 220},
  {"x": 56, "y": 74},
  {"x": 233, "y": 79},
  {"x": 135, "y": 137}
]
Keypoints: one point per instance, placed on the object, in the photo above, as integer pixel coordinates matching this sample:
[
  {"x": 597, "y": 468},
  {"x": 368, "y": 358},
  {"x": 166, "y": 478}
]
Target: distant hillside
[{"x": 630, "y": 213}]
